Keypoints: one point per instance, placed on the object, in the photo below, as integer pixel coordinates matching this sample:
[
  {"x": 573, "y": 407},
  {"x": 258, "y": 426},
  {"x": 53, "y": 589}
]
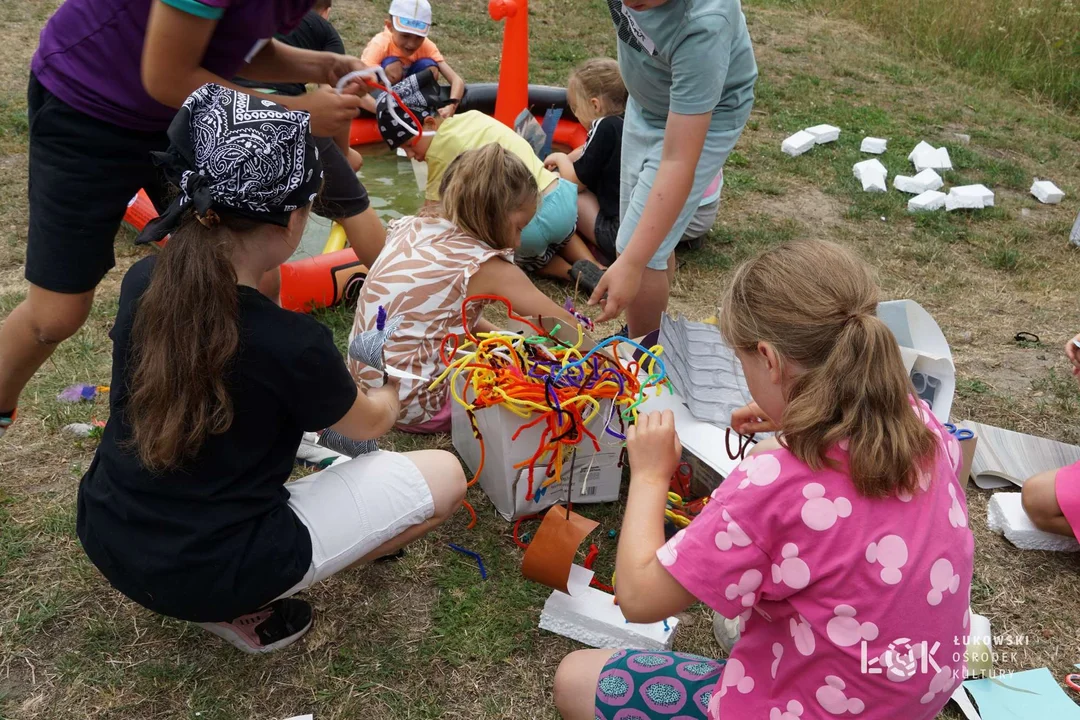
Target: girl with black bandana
[{"x": 185, "y": 508}]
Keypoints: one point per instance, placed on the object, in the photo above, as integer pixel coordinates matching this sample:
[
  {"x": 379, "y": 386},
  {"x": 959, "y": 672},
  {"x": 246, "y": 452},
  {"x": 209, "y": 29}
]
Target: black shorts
[
  {"x": 342, "y": 195},
  {"x": 606, "y": 230},
  {"x": 83, "y": 171}
]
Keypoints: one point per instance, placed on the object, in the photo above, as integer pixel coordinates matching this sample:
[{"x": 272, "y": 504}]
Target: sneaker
[
  {"x": 726, "y": 631},
  {"x": 312, "y": 454},
  {"x": 278, "y": 625},
  {"x": 587, "y": 276},
  {"x": 5, "y": 422}
]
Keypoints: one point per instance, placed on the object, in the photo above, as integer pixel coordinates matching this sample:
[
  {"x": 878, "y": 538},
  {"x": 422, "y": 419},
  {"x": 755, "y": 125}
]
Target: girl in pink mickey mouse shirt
[{"x": 842, "y": 546}]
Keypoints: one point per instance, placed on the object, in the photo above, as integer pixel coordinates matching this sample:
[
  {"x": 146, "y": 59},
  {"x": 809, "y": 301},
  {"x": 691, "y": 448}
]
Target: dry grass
[{"x": 424, "y": 637}]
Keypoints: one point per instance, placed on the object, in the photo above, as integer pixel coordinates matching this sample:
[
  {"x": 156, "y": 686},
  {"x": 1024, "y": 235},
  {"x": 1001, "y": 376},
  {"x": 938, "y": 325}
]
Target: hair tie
[{"x": 209, "y": 219}]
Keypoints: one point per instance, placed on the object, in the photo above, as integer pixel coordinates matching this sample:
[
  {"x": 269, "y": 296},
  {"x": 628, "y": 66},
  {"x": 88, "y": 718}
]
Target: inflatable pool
[{"x": 336, "y": 276}]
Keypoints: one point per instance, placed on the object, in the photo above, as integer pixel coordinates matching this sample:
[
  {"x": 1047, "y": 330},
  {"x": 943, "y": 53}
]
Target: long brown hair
[
  {"x": 481, "y": 188},
  {"x": 815, "y": 303},
  {"x": 183, "y": 342},
  {"x": 599, "y": 78}
]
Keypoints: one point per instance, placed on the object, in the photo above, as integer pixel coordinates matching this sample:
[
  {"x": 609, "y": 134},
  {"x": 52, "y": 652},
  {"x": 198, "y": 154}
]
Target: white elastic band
[{"x": 380, "y": 75}]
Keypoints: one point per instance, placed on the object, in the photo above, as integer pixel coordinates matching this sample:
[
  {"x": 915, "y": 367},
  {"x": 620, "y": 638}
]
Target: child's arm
[
  {"x": 647, "y": 592},
  {"x": 501, "y": 277},
  {"x": 372, "y": 415},
  {"x": 684, "y": 140},
  {"x": 561, "y": 163},
  {"x": 457, "y": 88}
]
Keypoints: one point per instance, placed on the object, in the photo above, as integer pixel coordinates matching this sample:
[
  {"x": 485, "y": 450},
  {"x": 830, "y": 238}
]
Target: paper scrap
[
  {"x": 550, "y": 557},
  {"x": 1029, "y": 694},
  {"x": 960, "y": 697}
]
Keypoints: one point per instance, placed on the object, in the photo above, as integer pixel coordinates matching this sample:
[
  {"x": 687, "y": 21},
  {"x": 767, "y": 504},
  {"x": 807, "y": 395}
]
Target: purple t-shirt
[{"x": 90, "y": 51}]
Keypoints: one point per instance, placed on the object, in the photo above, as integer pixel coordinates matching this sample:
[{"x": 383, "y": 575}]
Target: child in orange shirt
[{"x": 403, "y": 49}]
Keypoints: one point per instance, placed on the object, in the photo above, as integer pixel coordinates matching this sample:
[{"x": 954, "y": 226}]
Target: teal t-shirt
[{"x": 689, "y": 57}]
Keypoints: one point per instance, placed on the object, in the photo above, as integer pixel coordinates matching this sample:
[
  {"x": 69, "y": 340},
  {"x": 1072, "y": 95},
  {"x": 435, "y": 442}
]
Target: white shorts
[{"x": 354, "y": 507}]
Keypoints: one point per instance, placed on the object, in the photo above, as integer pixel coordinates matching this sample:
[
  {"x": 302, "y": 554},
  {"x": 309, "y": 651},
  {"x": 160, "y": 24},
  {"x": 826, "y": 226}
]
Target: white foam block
[
  {"x": 1046, "y": 192},
  {"x": 924, "y": 202},
  {"x": 920, "y": 183},
  {"x": 923, "y": 145},
  {"x": 872, "y": 165},
  {"x": 934, "y": 158},
  {"x": 594, "y": 619},
  {"x": 1005, "y": 515},
  {"x": 1074, "y": 235},
  {"x": 969, "y": 197},
  {"x": 824, "y": 133},
  {"x": 798, "y": 143},
  {"x": 873, "y": 145}
]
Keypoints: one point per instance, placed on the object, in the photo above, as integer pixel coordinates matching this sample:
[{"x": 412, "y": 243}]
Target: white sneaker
[
  {"x": 312, "y": 454},
  {"x": 726, "y": 631}
]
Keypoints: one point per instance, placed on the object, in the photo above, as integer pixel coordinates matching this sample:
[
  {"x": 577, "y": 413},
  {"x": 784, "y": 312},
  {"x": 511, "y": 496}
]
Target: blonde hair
[
  {"x": 815, "y": 303},
  {"x": 481, "y": 188},
  {"x": 599, "y": 78}
]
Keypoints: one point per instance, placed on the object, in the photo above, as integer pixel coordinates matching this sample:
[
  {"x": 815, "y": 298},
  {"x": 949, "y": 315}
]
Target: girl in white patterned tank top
[{"x": 432, "y": 262}]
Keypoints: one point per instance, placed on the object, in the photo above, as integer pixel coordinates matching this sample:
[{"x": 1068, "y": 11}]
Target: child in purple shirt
[{"x": 106, "y": 81}]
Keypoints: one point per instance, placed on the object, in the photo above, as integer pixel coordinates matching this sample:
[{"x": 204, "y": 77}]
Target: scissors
[
  {"x": 959, "y": 433},
  {"x": 1071, "y": 680}
]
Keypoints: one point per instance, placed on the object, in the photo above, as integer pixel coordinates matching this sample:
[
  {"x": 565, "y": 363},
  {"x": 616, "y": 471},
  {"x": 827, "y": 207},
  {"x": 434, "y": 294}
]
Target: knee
[
  {"x": 1038, "y": 499},
  {"x": 570, "y": 684},
  {"x": 55, "y": 328},
  {"x": 448, "y": 483}
]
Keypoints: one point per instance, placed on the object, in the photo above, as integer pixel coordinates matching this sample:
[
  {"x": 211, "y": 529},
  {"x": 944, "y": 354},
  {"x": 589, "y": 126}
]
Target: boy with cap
[
  {"x": 549, "y": 246},
  {"x": 403, "y": 49}
]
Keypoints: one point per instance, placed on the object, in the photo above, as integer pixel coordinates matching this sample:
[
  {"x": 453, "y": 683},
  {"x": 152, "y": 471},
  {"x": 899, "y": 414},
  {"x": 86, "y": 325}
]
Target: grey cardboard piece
[{"x": 703, "y": 369}]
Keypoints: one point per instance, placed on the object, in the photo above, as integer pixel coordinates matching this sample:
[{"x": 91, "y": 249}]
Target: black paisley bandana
[
  {"x": 237, "y": 153},
  {"x": 421, "y": 94}
]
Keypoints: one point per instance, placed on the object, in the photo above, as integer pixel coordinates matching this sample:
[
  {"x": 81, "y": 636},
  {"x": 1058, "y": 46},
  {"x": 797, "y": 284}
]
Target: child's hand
[
  {"x": 620, "y": 283},
  {"x": 653, "y": 447},
  {"x": 356, "y": 160},
  {"x": 1072, "y": 351},
  {"x": 388, "y": 394},
  {"x": 551, "y": 162},
  {"x": 750, "y": 419},
  {"x": 447, "y": 111}
]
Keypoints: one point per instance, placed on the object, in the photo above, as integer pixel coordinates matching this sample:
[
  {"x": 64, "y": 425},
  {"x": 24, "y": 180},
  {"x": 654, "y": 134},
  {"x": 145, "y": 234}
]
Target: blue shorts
[
  {"x": 553, "y": 223},
  {"x": 407, "y": 70},
  {"x": 642, "y": 146}
]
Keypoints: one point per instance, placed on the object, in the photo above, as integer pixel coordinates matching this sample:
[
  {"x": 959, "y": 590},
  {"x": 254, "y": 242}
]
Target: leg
[
  {"x": 557, "y": 268},
  {"x": 366, "y": 235},
  {"x": 643, "y": 313},
  {"x": 575, "y": 249},
  {"x": 575, "y": 683},
  {"x": 588, "y": 207},
  {"x": 1041, "y": 505},
  {"x": 445, "y": 479},
  {"x": 31, "y": 333},
  {"x": 395, "y": 71}
]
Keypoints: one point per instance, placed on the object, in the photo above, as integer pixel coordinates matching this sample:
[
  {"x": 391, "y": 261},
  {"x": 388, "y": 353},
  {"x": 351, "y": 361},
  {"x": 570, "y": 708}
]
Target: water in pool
[{"x": 391, "y": 185}]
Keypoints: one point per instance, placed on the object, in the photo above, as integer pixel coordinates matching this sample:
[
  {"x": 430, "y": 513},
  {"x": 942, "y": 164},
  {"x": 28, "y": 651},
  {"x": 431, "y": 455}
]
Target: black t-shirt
[
  {"x": 215, "y": 539},
  {"x": 313, "y": 33},
  {"x": 599, "y": 165}
]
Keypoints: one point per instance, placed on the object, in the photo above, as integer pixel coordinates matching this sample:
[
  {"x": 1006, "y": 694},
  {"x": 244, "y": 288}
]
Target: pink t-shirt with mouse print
[{"x": 850, "y": 606}]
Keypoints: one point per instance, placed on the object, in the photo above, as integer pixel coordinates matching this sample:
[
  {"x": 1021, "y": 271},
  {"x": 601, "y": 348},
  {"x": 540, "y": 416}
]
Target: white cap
[{"x": 411, "y": 16}]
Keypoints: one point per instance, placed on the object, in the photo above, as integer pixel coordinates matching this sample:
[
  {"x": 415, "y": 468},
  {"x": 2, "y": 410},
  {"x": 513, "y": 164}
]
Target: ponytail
[
  {"x": 815, "y": 303},
  {"x": 184, "y": 339}
]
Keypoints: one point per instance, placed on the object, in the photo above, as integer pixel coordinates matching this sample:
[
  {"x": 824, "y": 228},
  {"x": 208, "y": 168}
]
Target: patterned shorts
[{"x": 644, "y": 685}]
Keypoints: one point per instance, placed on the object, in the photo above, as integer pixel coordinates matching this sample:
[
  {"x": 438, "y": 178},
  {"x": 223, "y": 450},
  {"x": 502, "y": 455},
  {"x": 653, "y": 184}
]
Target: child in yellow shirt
[{"x": 549, "y": 246}]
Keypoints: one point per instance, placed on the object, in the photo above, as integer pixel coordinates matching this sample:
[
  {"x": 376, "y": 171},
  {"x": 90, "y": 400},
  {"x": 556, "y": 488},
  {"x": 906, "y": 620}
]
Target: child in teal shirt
[{"x": 689, "y": 68}]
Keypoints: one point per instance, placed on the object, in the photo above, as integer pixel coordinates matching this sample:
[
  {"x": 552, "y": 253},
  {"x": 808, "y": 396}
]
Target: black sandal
[{"x": 586, "y": 274}]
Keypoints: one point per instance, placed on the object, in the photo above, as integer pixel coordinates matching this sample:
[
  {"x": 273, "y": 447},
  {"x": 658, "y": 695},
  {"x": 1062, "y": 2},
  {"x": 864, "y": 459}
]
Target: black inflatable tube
[{"x": 481, "y": 96}]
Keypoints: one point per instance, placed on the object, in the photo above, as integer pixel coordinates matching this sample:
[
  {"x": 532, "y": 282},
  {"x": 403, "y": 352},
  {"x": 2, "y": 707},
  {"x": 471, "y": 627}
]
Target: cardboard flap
[{"x": 550, "y": 557}]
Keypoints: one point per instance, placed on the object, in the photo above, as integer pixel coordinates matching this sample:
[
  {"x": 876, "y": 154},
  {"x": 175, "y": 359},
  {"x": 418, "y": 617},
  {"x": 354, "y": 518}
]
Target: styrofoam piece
[
  {"x": 1046, "y": 192},
  {"x": 935, "y": 159},
  {"x": 923, "y": 349},
  {"x": 1005, "y": 514},
  {"x": 824, "y": 133},
  {"x": 923, "y": 145},
  {"x": 969, "y": 197},
  {"x": 927, "y": 201},
  {"x": 873, "y": 165},
  {"x": 798, "y": 143},
  {"x": 1074, "y": 236},
  {"x": 593, "y": 618},
  {"x": 873, "y": 145},
  {"x": 81, "y": 430}
]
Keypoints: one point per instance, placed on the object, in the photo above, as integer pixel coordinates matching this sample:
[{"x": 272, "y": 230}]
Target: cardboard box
[
  {"x": 967, "y": 454},
  {"x": 597, "y": 475}
]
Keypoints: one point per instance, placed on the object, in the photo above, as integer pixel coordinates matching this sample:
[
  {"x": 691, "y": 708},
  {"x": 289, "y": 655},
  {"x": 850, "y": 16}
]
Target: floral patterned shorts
[{"x": 644, "y": 685}]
